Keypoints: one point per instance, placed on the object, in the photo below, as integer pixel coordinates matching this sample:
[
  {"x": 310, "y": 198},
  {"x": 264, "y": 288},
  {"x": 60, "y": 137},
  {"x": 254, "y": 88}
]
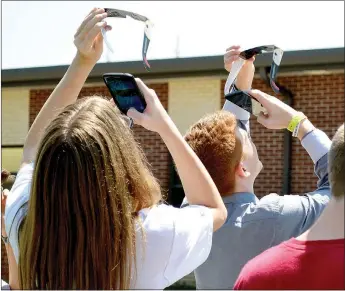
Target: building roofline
[{"x": 318, "y": 59}]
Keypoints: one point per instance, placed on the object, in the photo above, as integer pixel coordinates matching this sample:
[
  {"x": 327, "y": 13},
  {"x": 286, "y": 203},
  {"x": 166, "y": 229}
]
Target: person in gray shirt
[{"x": 228, "y": 153}]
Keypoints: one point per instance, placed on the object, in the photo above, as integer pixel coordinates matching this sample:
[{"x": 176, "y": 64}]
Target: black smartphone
[
  {"x": 125, "y": 92},
  {"x": 246, "y": 102}
]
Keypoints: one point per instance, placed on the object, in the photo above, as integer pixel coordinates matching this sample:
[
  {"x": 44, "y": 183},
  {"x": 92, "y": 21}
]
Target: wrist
[
  {"x": 292, "y": 119},
  {"x": 86, "y": 63},
  {"x": 245, "y": 77},
  {"x": 305, "y": 127},
  {"x": 243, "y": 85},
  {"x": 168, "y": 129}
]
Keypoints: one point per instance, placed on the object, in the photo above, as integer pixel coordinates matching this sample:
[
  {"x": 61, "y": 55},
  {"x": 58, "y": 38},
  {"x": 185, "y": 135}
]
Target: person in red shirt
[{"x": 315, "y": 259}]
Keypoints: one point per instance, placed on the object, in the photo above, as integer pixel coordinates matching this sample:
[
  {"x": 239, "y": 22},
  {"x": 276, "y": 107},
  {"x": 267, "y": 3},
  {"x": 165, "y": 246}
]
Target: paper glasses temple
[{"x": 123, "y": 14}]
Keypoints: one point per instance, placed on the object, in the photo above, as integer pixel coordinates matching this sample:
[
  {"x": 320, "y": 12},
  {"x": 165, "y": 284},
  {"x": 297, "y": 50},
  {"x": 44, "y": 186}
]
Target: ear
[{"x": 241, "y": 171}]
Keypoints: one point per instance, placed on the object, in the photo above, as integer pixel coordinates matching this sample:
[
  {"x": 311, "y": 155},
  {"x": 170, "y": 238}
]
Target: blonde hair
[{"x": 89, "y": 182}]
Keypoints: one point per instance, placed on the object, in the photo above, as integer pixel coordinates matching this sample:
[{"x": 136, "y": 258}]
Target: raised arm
[
  {"x": 243, "y": 82},
  {"x": 89, "y": 42},
  {"x": 298, "y": 212},
  {"x": 197, "y": 183}
]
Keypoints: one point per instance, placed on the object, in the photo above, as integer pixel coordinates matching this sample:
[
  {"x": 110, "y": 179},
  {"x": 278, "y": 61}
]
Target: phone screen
[{"x": 125, "y": 92}]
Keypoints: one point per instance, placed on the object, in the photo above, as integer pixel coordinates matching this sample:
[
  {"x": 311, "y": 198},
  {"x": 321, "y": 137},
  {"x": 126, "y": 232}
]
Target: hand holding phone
[
  {"x": 125, "y": 92},
  {"x": 155, "y": 117}
]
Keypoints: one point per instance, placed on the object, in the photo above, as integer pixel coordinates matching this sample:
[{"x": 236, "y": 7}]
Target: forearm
[
  {"x": 242, "y": 115},
  {"x": 198, "y": 186},
  {"x": 65, "y": 93},
  {"x": 12, "y": 268},
  {"x": 305, "y": 128},
  {"x": 245, "y": 77},
  {"x": 243, "y": 82},
  {"x": 315, "y": 141},
  {"x": 317, "y": 144}
]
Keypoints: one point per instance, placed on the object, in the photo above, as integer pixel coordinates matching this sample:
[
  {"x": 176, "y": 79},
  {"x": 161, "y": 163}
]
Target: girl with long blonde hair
[{"x": 85, "y": 211}]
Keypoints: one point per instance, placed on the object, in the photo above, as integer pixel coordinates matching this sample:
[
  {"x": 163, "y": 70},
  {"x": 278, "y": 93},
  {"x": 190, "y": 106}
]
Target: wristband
[
  {"x": 295, "y": 121},
  {"x": 295, "y": 132}
]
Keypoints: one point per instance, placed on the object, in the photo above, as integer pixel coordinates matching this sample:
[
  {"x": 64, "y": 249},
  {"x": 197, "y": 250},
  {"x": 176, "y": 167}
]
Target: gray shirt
[{"x": 255, "y": 225}]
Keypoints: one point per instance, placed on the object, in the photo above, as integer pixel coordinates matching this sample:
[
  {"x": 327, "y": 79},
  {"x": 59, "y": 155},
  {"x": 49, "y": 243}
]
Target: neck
[
  {"x": 244, "y": 186},
  {"x": 330, "y": 225}
]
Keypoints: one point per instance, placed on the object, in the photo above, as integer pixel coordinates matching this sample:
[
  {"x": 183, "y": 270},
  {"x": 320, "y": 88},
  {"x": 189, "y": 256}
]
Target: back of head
[
  {"x": 7, "y": 179},
  {"x": 337, "y": 163},
  {"x": 90, "y": 181},
  {"x": 213, "y": 138}
]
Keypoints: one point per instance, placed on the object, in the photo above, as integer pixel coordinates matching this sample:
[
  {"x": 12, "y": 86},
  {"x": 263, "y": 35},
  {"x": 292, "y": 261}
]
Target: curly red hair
[{"x": 213, "y": 138}]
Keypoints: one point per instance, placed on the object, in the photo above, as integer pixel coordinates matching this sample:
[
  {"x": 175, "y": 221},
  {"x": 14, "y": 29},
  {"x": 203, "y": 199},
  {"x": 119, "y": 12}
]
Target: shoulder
[
  {"x": 20, "y": 192},
  {"x": 165, "y": 219},
  {"x": 260, "y": 271},
  {"x": 22, "y": 181},
  {"x": 268, "y": 207},
  {"x": 17, "y": 204},
  {"x": 178, "y": 238}
]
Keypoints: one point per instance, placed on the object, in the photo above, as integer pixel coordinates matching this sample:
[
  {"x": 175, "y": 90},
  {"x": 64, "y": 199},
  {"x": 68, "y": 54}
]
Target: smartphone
[
  {"x": 125, "y": 92},
  {"x": 246, "y": 102}
]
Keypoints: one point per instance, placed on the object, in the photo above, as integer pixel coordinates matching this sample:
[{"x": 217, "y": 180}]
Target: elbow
[
  {"x": 14, "y": 285},
  {"x": 222, "y": 215}
]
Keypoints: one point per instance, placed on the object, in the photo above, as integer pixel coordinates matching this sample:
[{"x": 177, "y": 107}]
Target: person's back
[
  {"x": 296, "y": 265},
  {"x": 242, "y": 237},
  {"x": 252, "y": 227},
  {"x": 315, "y": 259},
  {"x": 231, "y": 158}
]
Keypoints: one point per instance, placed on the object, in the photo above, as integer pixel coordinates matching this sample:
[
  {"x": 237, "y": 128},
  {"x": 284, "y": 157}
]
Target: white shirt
[{"x": 176, "y": 240}]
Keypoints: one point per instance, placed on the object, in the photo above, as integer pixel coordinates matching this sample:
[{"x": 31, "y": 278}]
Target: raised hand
[
  {"x": 88, "y": 39},
  {"x": 246, "y": 74},
  {"x": 155, "y": 117}
]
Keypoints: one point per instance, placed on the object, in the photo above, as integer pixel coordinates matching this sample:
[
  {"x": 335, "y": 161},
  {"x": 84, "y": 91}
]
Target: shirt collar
[{"x": 241, "y": 197}]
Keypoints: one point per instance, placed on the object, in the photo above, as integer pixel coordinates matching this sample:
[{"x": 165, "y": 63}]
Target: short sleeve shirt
[{"x": 175, "y": 241}]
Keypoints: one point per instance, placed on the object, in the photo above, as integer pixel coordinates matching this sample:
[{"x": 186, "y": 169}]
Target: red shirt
[{"x": 295, "y": 264}]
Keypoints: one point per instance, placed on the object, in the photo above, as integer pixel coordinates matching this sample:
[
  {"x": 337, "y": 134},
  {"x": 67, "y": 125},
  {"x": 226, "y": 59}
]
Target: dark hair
[{"x": 7, "y": 179}]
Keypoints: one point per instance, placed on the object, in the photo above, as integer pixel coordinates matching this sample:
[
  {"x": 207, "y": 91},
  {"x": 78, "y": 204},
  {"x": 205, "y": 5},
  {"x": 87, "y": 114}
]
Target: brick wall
[{"x": 321, "y": 98}]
